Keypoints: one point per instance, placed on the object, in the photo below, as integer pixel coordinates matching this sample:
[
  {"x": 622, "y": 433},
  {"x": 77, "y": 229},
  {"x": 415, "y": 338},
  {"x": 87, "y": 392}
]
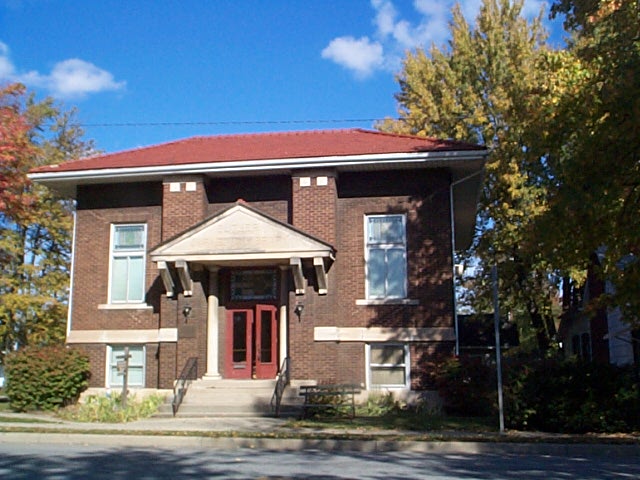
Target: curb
[{"x": 236, "y": 441}]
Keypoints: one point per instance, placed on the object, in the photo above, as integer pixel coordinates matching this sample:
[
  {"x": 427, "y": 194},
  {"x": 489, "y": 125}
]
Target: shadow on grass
[{"x": 402, "y": 420}]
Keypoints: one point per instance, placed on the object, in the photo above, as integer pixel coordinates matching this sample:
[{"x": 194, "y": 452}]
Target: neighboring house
[
  {"x": 596, "y": 334},
  {"x": 332, "y": 249}
]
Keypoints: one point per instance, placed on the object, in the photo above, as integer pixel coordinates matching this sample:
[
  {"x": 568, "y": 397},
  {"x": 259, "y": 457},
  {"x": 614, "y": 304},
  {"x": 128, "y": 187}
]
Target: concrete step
[
  {"x": 228, "y": 411},
  {"x": 233, "y": 398}
]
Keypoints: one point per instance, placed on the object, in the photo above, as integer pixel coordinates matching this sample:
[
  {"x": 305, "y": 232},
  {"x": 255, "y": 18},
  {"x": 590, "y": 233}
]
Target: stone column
[
  {"x": 212, "y": 326},
  {"x": 284, "y": 307}
]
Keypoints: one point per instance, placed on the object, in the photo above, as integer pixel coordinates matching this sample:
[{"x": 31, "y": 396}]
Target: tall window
[
  {"x": 386, "y": 256},
  {"x": 389, "y": 365},
  {"x": 128, "y": 244},
  {"x": 135, "y": 376}
]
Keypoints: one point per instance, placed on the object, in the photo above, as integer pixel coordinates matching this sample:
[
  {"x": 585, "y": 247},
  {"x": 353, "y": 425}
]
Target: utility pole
[{"x": 496, "y": 324}]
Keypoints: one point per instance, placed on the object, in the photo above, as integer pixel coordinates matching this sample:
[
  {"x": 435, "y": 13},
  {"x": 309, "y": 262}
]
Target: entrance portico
[{"x": 248, "y": 256}]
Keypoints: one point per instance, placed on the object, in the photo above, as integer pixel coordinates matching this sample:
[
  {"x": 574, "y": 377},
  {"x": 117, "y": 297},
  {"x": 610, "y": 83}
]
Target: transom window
[
  {"x": 388, "y": 365},
  {"x": 128, "y": 245},
  {"x": 136, "y": 372},
  {"x": 386, "y": 256},
  {"x": 253, "y": 285}
]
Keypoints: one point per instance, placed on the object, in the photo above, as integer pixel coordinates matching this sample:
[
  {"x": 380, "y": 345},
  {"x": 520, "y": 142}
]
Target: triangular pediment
[{"x": 241, "y": 233}]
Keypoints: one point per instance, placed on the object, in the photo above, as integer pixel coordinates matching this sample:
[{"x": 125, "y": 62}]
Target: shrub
[
  {"x": 466, "y": 386},
  {"x": 108, "y": 409},
  {"x": 45, "y": 378},
  {"x": 557, "y": 395},
  {"x": 378, "y": 405}
]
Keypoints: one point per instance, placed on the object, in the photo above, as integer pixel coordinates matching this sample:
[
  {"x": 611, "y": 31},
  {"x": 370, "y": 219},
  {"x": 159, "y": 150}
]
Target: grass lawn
[{"x": 401, "y": 420}]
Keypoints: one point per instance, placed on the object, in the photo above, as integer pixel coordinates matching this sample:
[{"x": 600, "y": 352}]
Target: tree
[
  {"x": 35, "y": 225},
  {"x": 482, "y": 88},
  {"x": 596, "y": 123}
]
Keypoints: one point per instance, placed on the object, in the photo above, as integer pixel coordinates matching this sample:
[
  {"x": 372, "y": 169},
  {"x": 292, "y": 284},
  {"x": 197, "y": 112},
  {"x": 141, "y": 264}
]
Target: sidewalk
[{"x": 275, "y": 434}]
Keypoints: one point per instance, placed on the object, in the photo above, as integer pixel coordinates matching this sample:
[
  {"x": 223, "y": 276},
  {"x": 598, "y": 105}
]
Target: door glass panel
[
  {"x": 266, "y": 335},
  {"x": 239, "y": 337}
]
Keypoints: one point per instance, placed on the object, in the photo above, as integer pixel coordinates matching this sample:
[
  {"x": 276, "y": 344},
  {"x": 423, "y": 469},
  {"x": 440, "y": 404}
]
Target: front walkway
[{"x": 278, "y": 434}]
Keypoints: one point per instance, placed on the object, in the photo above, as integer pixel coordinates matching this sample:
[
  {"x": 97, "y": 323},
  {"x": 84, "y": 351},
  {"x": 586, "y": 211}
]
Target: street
[{"x": 58, "y": 461}]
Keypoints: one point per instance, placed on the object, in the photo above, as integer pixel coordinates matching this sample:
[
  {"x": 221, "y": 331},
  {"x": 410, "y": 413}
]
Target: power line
[{"x": 227, "y": 122}]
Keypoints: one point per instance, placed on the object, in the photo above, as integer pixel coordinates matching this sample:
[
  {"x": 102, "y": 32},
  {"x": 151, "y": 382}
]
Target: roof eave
[{"x": 66, "y": 181}]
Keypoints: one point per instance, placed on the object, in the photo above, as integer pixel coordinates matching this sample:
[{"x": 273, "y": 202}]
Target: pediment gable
[{"x": 241, "y": 233}]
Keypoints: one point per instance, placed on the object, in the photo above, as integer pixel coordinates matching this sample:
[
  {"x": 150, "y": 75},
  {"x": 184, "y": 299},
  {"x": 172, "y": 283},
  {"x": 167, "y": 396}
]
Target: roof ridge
[
  {"x": 318, "y": 131},
  {"x": 418, "y": 137}
]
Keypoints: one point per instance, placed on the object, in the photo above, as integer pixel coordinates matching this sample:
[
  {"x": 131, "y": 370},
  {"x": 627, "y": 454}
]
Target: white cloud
[
  {"x": 76, "y": 77},
  {"x": 394, "y": 35},
  {"x": 359, "y": 55},
  {"x": 70, "y": 78},
  {"x": 6, "y": 67}
]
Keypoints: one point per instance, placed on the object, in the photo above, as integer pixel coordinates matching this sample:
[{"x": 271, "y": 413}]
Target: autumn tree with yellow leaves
[{"x": 35, "y": 224}]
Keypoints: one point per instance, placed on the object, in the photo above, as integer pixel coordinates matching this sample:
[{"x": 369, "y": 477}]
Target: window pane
[
  {"x": 129, "y": 237},
  {"x": 376, "y": 273},
  {"x": 386, "y": 229},
  {"x": 119, "y": 279},
  {"x": 136, "y": 278},
  {"x": 136, "y": 376},
  {"x": 115, "y": 379},
  {"x": 387, "y": 354},
  {"x": 137, "y": 356},
  {"x": 396, "y": 273},
  {"x": 388, "y": 376}
]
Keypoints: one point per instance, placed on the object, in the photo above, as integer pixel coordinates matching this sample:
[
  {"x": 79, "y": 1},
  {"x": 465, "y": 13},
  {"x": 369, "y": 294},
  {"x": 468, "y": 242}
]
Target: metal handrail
[
  {"x": 189, "y": 373},
  {"x": 282, "y": 380}
]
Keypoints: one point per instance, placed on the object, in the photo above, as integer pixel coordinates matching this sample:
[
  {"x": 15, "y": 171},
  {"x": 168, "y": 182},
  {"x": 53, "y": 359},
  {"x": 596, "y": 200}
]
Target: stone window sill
[
  {"x": 124, "y": 306},
  {"x": 389, "y": 301}
]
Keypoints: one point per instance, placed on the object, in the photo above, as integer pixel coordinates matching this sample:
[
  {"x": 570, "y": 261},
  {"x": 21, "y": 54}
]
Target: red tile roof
[{"x": 263, "y": 146}]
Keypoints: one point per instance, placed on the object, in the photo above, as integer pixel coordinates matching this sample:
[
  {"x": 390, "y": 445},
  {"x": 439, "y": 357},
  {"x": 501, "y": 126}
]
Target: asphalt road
[{"x": 56, "y": 461}]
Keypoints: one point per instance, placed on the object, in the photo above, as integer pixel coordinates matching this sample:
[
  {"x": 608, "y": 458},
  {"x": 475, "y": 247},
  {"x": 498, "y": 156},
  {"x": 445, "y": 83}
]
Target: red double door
[{"x": 252, "y": 342}]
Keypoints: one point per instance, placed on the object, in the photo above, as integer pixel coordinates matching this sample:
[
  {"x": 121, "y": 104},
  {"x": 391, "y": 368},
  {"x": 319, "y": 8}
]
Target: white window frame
[
  {"x": 385, "y": 246},
  {"x": 125, "y": 254},
  {"x": 371, "y": 366},
  {"x": 110, "y": 365}
]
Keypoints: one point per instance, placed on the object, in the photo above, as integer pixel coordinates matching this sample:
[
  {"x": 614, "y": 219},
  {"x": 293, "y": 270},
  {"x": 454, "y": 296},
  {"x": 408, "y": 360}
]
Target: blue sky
[{"x": 231, "y": 65}]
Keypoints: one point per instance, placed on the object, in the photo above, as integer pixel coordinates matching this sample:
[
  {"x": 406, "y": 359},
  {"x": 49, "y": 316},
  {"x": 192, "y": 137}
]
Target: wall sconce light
[
  {"x": 298, "y": 310},
  {"x": 186, "y": 311}
]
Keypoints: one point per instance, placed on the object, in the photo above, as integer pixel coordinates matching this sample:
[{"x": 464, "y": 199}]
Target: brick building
[{"x": 332, "y": 249}]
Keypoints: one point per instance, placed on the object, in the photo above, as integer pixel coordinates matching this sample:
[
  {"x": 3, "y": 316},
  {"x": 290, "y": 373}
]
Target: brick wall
[
  {"x": 92, "y": 259},
  {"x": 313, "y": 206},
  {"x": 192, "y": 330},
  {"x": 184, "y": 203},
  {"x": 97, "y": 363},
  {"x": 424, "y": 198},
  {"x": 328, "y": 207}
]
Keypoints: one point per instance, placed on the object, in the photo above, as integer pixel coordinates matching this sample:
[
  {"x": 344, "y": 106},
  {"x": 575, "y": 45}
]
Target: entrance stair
[{"x": 233, "y": 398}]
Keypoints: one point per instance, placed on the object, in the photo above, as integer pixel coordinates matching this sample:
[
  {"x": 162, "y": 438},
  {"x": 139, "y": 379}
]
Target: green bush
[
  {"x": 467, "y": 386},
  {"x": 108, "y": 409},
  {"x": 378, "y": 405},
  {"x": 45, "y": 378},
  {"x": 568, "y": 396}
]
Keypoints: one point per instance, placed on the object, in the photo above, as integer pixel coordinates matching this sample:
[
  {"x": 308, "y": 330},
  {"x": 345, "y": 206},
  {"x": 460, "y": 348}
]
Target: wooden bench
[{"x": 329, "y": 399}]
